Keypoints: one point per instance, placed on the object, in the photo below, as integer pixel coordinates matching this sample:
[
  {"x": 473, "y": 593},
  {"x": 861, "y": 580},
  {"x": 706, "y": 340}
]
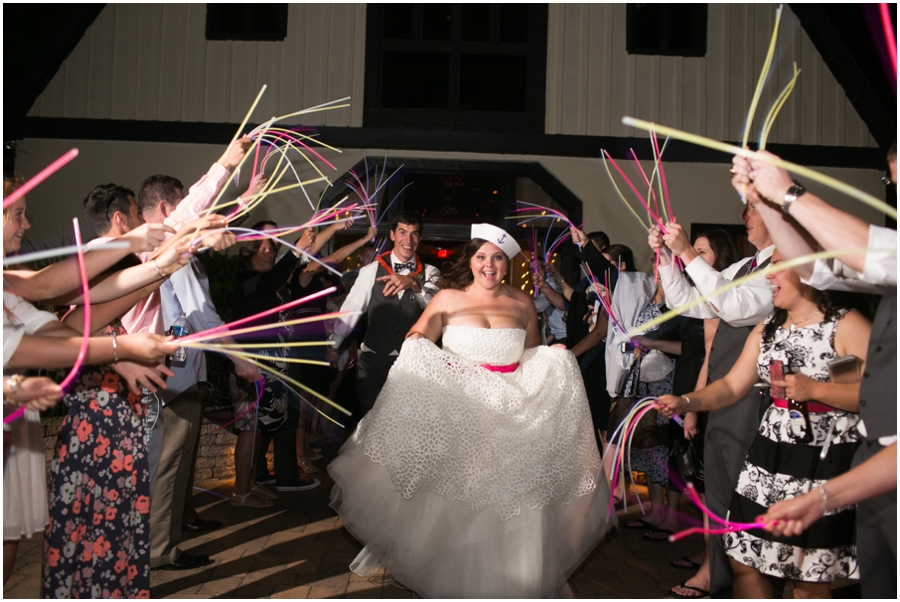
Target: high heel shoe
[{"x": 306, "y": 465}]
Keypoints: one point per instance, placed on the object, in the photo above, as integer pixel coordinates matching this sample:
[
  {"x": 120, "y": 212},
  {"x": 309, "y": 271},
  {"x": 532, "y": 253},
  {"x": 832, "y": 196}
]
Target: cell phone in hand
[{"x": 776, "y": 372}]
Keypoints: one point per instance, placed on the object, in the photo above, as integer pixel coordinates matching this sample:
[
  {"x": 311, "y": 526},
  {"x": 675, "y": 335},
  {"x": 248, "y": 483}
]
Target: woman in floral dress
[{"x": 97, "y": 543}]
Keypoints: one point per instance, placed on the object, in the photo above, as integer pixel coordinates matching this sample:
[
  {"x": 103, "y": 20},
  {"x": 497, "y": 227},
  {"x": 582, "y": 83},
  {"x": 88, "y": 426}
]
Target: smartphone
[
  {"x": 776, "y": 372},
  {"x": 844, "y": 370}
]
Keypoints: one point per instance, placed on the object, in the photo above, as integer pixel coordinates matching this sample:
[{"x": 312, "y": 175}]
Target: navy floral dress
[
  {"x": 652, "y": 461},
  {"x": 97, "y": 544}
]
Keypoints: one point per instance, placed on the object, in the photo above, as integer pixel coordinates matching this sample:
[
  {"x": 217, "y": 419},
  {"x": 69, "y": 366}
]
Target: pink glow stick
[
  {"x": 85, "y": 338},
  {"x": 262, "y": 314},
  {"x": 889, "y": 37},
  {"x": 86, "y": 292},
  {"x": 260, "y": 387},
  {"x": 534, "y": 261},
  {"x": 40, "y": 177},
  {"x": 662, "y": 177},
  {"x": 653, "y": 216}
]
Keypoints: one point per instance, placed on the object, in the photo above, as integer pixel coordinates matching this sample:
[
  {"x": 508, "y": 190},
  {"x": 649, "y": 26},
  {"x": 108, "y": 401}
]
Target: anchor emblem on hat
[{"x": 501, "y": 239}]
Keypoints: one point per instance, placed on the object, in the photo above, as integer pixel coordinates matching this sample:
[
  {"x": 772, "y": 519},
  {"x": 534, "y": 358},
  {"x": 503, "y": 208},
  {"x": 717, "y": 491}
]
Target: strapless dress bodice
[{"x": 494, "y": 346}]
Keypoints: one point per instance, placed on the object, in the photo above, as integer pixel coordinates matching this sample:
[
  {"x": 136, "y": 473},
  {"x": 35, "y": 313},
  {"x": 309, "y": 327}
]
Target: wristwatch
[{"x": 793, "y": 192}]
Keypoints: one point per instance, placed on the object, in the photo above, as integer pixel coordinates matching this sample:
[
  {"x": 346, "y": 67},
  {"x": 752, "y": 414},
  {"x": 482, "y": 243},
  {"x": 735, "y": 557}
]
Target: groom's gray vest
[{"x": 390, "y": 318}]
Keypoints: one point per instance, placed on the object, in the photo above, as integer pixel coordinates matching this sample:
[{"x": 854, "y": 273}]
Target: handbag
[
  {"x": 688, "y": 459},
  {"x": 647, "y": 433}
]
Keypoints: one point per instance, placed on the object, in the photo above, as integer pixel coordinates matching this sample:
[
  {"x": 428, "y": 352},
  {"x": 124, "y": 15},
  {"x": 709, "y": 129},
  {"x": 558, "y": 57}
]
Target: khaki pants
[{"x": 183, "y": 417}]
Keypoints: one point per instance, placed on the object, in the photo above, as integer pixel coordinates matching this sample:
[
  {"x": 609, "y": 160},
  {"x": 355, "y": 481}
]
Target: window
[
  {"x": 471, "y": 66},
  {"x": 249, "y": 22},
  {"x": 666, "y": 29}
]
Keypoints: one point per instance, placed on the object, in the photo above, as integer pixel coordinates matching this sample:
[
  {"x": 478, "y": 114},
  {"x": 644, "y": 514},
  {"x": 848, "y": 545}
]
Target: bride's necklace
[{"x": 810, "y": 316}]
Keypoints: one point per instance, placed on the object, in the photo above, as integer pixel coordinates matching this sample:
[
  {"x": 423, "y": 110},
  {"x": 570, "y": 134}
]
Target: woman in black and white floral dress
[{"x": 805, "y": 333}]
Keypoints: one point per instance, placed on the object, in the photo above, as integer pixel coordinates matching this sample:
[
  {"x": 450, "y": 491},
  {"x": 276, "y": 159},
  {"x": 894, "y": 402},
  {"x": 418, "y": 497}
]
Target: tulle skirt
[{"x": 439, "y": 509}]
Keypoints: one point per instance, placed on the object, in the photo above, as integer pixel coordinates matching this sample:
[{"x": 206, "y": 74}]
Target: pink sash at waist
[
  {"x": 504, "y": 369},
  {"x": 812, "y": 406}
]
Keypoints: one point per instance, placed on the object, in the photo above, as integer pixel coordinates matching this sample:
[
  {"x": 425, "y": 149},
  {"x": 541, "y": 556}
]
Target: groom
[{"x": 393, "y": 290}]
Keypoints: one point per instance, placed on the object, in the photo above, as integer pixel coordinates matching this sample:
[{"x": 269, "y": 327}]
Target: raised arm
[{"x": 63, "y": 277}]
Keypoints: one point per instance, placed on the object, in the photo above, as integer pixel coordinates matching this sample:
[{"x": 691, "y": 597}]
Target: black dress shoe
[
  {"x": 184, "y": 562},
  {"x": 202, "y": 525}
]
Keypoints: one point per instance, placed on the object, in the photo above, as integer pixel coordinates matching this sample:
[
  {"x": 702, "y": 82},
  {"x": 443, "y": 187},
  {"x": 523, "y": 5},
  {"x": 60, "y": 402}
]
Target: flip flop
[
  {"x": 657, "y": 532},
  {"x": 673, "y": 594},
  {"x": 638, "y": 524},
  {"x": 684, "y": 562}
]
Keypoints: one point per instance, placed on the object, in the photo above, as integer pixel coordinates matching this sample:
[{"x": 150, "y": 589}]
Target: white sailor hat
[{"x": 498, "y": 236}]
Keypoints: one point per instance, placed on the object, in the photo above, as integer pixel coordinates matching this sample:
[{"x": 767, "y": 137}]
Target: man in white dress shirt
[
  {"x": 393, "y": 290},
  {"x": 729, "y": 431}
]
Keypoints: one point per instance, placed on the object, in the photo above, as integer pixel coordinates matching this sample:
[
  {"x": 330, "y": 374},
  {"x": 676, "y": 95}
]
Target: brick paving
[{"x": 298, "y": 549}]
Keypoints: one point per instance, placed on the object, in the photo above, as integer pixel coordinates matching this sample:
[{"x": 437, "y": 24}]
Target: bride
[{"x": 476, "y": 475}]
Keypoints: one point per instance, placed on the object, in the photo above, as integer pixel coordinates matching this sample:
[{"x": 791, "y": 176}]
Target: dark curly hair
[{"x": 458, "y": 274}]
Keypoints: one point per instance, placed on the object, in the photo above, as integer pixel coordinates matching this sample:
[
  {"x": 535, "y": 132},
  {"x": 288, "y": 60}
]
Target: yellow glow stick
[
  {"x": 247, "y": 116},
  {"x": 228, "y": 333},
  {"x": 256, "y": 345},
  {"x": 287, "y": 379},
  {"x": 770, "y": 269},
  {"x": 762, "y": 78},
  {"x": 322, "y": 107},
  {"x": 259, "y": 356},
  {"x": 776, "y": 108},
  {"x": 225, "y": 187},
  {"x": 621, "y": 196},
  {"x": 730, "y": 149}
]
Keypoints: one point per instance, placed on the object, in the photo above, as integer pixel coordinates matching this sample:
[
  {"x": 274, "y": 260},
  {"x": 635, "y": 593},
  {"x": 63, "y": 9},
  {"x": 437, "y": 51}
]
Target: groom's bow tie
[{"x": 409, "y": 266}]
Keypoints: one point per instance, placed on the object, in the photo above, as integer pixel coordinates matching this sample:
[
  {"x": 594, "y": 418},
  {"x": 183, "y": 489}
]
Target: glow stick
[
  {"x": 85, "y": 337},
  {"x": 662, "y": 177},
  {"x": 770, "y": 269},
  {"x": 763, "y": 75},
  {"x": 239, "y": 346},
  {"x": 653, "y": 216},
  {"x": 889, "y": 37},
  {"x": 730, "y": 149},
  {"x": 213, "y": 493},
  {"x": 284, "y": 378},
  {"x": 40, "y": 177},
  {"x": 621, "y": 196},
  {"x": 205, "y": 336},
  {"x": 61, "y": 251},
  {"x": 322, "y": 107},
  {"x": 776, "y": 108},
  {"x": 260, "y": 387},
  {"x": 268, "y": 312},
  {"x": 86, "y": 295},
  {"x": 259, "y": 356},
  {"x": 247, "y": 116},
  {"x": 729, "y": 526}
]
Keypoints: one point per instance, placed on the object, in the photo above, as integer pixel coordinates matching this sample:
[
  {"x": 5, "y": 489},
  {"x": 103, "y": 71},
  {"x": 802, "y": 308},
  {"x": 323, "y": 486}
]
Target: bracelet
[
  {"x": 687, "y": 401},
  {"x": 11, "y": 388},
  {"x": 115, "y": 347},
  {"x": 157, "y": 268},
  {"x": 824, "y": 499}
]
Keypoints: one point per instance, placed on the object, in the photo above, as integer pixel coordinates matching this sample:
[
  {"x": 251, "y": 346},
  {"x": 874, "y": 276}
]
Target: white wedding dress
[{"x": 470, "y": 483}]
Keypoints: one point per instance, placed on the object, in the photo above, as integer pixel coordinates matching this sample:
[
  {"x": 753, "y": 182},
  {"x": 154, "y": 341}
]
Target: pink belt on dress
[
  {"x": 814, "y": 407},
  {"x": 504, "y": 369}
]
